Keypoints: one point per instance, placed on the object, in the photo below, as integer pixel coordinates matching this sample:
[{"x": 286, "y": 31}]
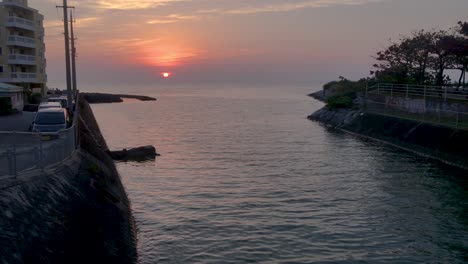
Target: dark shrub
[
  {"x": 339, "y": 101},
  {"x": 5, "y": 106},
  {"x": 35, "y": 98},
  {"x": 345, "y": 87}
]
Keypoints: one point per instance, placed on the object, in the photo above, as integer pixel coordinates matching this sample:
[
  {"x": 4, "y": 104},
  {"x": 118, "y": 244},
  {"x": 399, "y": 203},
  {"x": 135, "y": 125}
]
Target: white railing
[
  {"x": 21, "y": 41},
  {"x": 21, "y": 59},
  {"x": 23, "y": 75},
  {"x": 14, "y": 21},
  {"x": 20, "y": 77},
  {"x": 422, "y": 91}
]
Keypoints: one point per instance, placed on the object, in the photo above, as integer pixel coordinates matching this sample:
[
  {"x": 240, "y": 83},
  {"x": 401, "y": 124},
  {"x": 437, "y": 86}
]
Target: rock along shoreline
[{"x": 447, "y": 145}]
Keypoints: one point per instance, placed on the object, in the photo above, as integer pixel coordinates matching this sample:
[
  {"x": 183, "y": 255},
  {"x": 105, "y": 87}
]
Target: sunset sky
[{"x": 251, "y": 41}]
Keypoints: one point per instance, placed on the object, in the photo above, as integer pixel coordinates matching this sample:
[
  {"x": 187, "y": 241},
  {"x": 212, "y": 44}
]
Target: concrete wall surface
[{"x": 420, "y": 105}]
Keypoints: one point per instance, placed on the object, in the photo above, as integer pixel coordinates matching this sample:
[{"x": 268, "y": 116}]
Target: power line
[
  {"x": 73, "y": 53},
  {"x": 67, "y": 54}
]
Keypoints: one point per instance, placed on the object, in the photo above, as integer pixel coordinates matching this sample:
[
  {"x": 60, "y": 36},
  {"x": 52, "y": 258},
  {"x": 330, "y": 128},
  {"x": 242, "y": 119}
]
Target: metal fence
[
  {"x": 437, "y": 105},
  {"x": 23, "y": 152},
  {"x": 423, "y": 91},
  {"x": 440, "y": 117}
]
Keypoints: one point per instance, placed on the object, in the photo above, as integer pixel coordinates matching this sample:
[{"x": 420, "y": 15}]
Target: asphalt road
[{"x": 19, "y": 122}]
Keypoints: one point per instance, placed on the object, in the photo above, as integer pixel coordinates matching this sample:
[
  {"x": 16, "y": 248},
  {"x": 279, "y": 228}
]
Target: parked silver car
[
  {"x": 62, "y": 100},
  {"x": 50, "y": 120},
  {"x": 49, "y": 105}
]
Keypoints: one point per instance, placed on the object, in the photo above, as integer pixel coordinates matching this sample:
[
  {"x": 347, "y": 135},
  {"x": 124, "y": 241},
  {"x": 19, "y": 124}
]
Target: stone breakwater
[
  {"x": 447, "y": 145},
  {"x": 74, "y": 212},
  {"x": 135, "y": 154},
  {"x": 101, "y": 98}
]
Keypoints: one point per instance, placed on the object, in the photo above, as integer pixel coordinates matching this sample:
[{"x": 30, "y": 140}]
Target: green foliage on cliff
[
  {"x": 345, "y": 87},
  {"x": 339, "y": 101},
  {"x": 341, "y": 93}
]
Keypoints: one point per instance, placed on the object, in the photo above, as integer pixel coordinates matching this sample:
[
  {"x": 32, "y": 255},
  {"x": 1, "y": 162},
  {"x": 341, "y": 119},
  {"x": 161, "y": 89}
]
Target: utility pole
[
  {"x": 67, "y": 54},
  {"x": 73, "y": 55}
]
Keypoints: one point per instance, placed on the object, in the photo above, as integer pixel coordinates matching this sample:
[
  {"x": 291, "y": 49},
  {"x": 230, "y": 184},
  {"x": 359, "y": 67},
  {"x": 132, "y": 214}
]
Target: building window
[
  {"x": 1, "y": 68},
  {"x": 1, "y": 51}
]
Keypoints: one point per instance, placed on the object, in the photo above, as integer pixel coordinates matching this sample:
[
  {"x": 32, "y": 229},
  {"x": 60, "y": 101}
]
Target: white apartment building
[{"x": 22, "y": 48}]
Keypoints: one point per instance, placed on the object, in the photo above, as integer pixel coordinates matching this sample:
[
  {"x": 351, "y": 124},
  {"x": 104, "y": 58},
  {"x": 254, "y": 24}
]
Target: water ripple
[{"x": 249, "y": 180}]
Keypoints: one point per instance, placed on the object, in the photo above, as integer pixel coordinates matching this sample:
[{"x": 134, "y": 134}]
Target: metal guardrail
[
  {"x": 424, "y": 91},
  {"x": 395, "y": 100},
  {"x": 24, "y": 152},
  {"x": 19, "y": 20},
  {"x": 21, "y": 57},
  {"x": 29, "y": 151},
  {"x": 14, "y": 38}
]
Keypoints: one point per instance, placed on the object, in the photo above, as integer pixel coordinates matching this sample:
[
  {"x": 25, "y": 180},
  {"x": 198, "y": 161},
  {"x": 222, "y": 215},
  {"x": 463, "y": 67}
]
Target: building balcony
[
  {"x": 20, "y": 77},
  {"x": 22, "y": 59},
  {"x": 21, "y": 41},
  {"x": 18, "y": 22}
]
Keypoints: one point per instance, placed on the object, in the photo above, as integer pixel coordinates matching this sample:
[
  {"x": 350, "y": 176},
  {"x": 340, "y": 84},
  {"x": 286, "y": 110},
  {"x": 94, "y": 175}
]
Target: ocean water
[{"x": 244, "y": 177}]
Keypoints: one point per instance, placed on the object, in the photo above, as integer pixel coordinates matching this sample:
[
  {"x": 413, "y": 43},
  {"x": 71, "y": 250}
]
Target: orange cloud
[
  {"x": 152, "y": 52},
  {"x": 173, "y": 18},
  {"x": 132, "y": 4},
  {"x": 167, "y": 55},
  {"x": 285, "y": 7}
]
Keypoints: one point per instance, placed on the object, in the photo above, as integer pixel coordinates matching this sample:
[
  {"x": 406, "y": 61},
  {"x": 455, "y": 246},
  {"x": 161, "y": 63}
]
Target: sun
[{"x": 166, "y": 74}]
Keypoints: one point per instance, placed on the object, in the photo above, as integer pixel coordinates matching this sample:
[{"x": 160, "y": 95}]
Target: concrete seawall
[
  {"x": 75, "y": 212},
  {"x": 447, "y": 145}
]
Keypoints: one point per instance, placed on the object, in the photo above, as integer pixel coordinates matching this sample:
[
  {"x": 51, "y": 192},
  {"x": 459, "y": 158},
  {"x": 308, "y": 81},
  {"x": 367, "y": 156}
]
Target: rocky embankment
[
  {"x": 444, "y": 144},
  {"x": 102, "y": 98},
  {"x": 336, "y": 118},
  {"x": 319, "y": 95}
]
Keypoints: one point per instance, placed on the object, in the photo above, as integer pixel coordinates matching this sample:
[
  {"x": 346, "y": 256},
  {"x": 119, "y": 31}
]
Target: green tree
[
  {"x": 393, "y": 64},
  {"x": 459, "y": 50},
  {"x": 407, "y": 60},
  {"x": 420, "y": 45},
  {"x": 463, "y": 28},
  {"x": 441, "y": 58},
  {"x": 423, "y": 57}
]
